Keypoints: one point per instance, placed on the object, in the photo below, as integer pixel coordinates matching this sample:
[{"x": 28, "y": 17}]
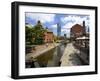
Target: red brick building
[
  {"x": 48, "y": 37},
  {"x": 76, "y": 31}
]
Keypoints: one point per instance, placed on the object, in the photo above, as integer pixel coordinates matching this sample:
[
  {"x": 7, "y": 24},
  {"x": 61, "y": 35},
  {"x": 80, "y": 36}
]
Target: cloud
[
  {"x": 40, "y": 16},
  {"x": 67, "y": 19},
  {"x": 71, "y": 20},
  {"x": 54, "y": 26},
  {"x": 68, "y": 25},
  {"x": 65, "y": 31}
]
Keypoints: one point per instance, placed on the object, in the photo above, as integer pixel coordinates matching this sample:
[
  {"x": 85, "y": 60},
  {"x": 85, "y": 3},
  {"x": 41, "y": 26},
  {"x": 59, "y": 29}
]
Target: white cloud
[
  {"x": 68, "y": 25},
  {"x": 69, "y": 21},
  {"x": 54, "y": 26},
  {"x": 65, "y": 31},
  {"x": 42, "y": 17}
]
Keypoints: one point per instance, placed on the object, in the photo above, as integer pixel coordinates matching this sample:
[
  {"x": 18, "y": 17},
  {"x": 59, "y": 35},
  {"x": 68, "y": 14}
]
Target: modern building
[{"x": 58, "y": 30}]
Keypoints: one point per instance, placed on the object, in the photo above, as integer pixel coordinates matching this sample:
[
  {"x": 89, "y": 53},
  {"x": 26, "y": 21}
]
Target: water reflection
[{"x": 50, "y": 58}]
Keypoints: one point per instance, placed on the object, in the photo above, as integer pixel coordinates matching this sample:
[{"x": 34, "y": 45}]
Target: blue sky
[{"x": 50, "y": 21}]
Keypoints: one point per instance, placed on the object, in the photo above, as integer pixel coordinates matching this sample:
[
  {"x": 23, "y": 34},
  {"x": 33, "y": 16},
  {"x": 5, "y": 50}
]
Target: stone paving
[{"x": 69, "y": 57}]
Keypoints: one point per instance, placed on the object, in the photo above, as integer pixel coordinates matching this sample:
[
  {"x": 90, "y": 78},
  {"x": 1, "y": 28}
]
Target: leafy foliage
[
  {"x": 35, "y": 35},
  {"x": 29, "y": 35}
]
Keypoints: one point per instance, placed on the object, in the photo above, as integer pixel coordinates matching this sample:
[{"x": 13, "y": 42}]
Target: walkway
[{"x": 70, "y": 57}]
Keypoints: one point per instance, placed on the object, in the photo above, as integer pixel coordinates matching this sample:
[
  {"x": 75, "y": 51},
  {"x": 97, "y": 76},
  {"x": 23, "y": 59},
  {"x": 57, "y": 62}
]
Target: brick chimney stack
[{"x": 84, "y": 31}]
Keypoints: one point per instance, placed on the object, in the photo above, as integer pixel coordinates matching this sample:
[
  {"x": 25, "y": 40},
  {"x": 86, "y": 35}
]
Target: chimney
[{"x": 84, "y": 29}]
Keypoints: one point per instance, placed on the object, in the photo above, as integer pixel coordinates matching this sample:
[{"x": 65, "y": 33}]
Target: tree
[
  {"x": 39, "y": 33},
  {"x": 35, "y": 35},
  {"x": 29, "y": 34}
]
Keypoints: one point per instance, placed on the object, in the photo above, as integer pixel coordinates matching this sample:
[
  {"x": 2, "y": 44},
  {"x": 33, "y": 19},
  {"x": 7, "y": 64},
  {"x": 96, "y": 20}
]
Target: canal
[{"x": 50, "y": 58}]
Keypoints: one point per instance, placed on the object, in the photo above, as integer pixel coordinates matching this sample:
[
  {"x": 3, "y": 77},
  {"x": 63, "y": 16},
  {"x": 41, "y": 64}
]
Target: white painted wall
[{"x": 5, "y": 40}]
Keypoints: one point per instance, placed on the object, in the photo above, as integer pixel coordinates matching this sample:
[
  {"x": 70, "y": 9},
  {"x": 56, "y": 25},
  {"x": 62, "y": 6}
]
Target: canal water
[{"x": 50, "y": 58}]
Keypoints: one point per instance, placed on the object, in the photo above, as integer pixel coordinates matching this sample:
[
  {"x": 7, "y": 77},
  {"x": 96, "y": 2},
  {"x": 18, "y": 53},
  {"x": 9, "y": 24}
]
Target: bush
[{"x": 38, "y": 41}]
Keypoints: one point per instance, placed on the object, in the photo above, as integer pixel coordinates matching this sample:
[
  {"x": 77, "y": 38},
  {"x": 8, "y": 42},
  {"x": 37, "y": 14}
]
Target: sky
[{"x": 66, "y": 21}]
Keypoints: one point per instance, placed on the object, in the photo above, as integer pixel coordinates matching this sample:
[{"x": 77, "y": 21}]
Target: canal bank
[
  {"x": 40, "y": 50},
  {"x": 55, "y": 56},
  {"x": 70, "y": 56},
  {"x": 48, "y": 57}
]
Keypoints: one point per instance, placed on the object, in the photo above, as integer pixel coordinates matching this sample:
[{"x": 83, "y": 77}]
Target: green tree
[
  {"x": 39, "y": 33},
  {"x": 29, "y": 35},
  {"x": 35, "y": 35}
]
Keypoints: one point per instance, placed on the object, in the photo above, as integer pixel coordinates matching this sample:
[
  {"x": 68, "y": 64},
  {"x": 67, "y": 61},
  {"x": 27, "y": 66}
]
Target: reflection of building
[
  {"x": 48, "y": 38},
  {"x": 58, "y": 30},
  {"x": 77, "y": 30}
]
